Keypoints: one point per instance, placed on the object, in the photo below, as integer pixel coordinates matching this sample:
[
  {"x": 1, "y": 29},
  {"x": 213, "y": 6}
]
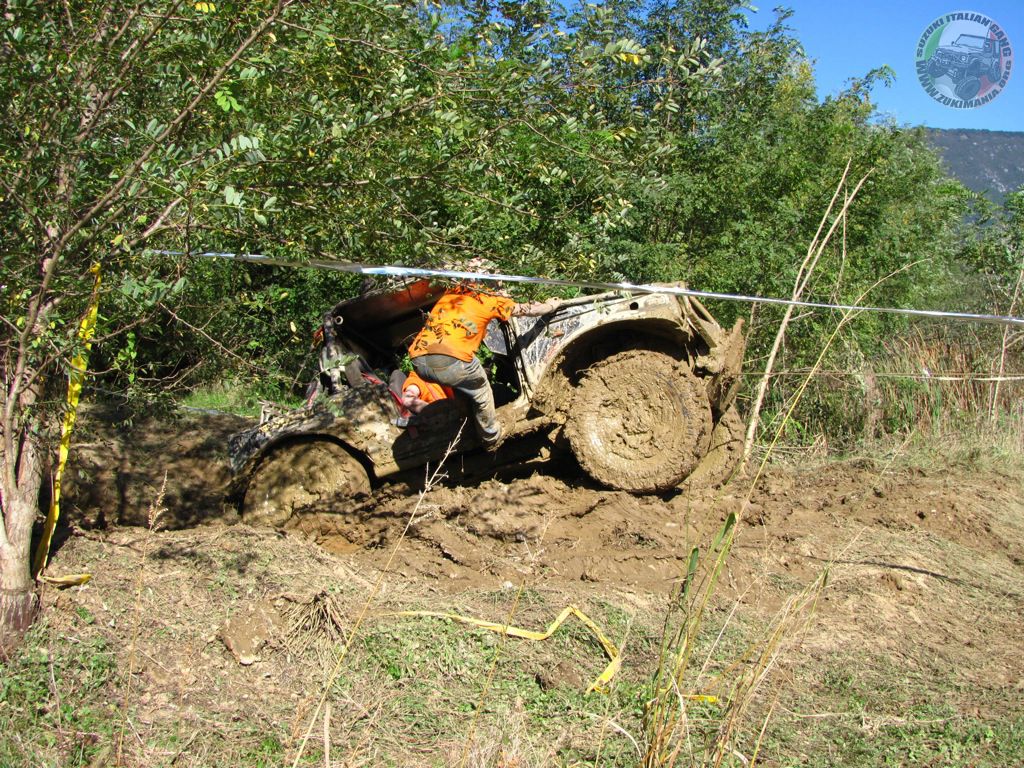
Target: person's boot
[{"x": 491, "y": 442}]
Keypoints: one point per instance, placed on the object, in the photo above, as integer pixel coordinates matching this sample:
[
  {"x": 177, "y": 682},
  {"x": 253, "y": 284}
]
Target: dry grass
[{"x": 945, "y": 382}]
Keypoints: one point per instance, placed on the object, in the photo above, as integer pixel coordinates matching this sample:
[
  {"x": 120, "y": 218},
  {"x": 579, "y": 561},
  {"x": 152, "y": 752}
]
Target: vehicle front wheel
[
  {"x": 639, "y": 421},
  {"x": 301, "y": 476}
]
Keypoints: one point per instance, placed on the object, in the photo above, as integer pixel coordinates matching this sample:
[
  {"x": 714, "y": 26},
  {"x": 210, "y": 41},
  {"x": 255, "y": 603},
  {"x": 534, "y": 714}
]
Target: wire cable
[{"x": 398, "y": 271}]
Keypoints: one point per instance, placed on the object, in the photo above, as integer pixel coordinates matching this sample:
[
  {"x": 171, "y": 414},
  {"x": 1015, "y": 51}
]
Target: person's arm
[{"x": 536, "y": 308}]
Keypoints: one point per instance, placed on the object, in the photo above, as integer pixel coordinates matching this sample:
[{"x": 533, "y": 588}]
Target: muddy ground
[{"x": 926, "y": 584}]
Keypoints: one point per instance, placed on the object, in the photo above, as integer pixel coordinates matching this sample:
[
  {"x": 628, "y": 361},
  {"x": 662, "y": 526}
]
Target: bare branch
[
  {"x": 158, "y": 223},
  {"x": 209, "y": 338}
]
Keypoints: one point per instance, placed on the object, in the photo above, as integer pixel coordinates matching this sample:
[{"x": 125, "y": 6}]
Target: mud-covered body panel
[{"x": 362, "y": 419}]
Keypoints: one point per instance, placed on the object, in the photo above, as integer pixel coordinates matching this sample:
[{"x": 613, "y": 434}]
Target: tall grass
[
  {"x": 697, "y": 712},
  {"x": 941, "y": 386},
  {"x": 938, "y": 385},
  {"x": 666, "y": 729}
]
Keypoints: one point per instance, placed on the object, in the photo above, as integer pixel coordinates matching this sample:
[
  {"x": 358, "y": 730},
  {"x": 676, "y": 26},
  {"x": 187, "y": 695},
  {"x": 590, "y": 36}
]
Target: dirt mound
[{"x": 118, "y": 467}]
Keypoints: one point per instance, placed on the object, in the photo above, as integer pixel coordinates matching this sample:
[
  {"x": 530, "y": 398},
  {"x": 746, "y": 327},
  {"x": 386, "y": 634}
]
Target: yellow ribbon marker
[
  {"x": 63, "y": 582},
  {"x": 702, "y": 698},
  {"x": 75, "y": 378},
  {"x": 599, "y": 685}
]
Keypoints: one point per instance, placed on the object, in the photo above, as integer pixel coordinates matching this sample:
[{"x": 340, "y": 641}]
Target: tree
[{"x": 98, "y": 141}]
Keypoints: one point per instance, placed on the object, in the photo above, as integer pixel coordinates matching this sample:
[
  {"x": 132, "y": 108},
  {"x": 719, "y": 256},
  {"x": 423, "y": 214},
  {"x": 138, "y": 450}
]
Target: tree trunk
[{"x": 19, "y": 603}]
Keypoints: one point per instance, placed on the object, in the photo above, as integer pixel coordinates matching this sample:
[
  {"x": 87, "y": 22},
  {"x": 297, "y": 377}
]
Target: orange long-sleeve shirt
[
  {"x": 429, "y": 391},
  {"x": 457, "y": 324}
]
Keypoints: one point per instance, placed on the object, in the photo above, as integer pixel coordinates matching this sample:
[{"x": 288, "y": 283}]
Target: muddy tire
[
  {"x": 639, "y": 421},
  {"x": 723, "y": 454},
  {"x": 302, "y": 476}
]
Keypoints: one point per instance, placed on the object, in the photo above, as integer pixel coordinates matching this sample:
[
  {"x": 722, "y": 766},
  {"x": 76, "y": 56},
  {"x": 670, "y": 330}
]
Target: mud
[{"x": 552, "y": 517}]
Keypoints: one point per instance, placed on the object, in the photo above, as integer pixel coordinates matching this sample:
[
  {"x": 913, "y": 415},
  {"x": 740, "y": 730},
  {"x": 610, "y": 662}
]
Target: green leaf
[
  {"x": 723, "y": 533},
  {"x": 232, "y": 196},
  {"x": 691, "y": 570}
]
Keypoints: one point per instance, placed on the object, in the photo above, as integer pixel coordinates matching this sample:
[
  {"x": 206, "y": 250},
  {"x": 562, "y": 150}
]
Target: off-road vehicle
[
  {"x": 965, "y": 62},
  {"x": 638, "y": 386}
]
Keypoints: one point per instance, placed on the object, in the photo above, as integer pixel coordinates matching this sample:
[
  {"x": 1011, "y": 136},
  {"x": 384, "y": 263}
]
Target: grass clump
[
  {"x": 867, "y": 712},
  {"x": 706, "y": 692}
]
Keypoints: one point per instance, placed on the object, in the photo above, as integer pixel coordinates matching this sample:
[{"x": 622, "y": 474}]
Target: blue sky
[{"x": 847, "y": 38}]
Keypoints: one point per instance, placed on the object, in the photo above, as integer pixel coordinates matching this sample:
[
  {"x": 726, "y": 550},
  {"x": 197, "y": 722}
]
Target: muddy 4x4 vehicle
[
  {"x": 965, "y": 62},
  {"x": 640, "y": 387}
]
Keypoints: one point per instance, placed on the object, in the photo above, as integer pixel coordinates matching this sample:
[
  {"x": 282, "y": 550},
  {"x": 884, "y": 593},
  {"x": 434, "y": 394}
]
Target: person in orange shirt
[
  {"x": 417, "y": 394},
  {"x": 444, "y": 351}
]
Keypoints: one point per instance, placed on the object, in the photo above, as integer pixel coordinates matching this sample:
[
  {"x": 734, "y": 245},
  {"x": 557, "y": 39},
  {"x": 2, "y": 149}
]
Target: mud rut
[{"x": 546, "y": 519}]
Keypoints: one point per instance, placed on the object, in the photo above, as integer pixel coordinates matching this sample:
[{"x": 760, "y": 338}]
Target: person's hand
[
  {"x": 537, "y": 308},
  {"x": 411, "y": 399}
]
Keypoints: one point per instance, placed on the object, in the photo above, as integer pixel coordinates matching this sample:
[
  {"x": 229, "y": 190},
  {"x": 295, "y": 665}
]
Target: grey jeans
[{"x": 469, "y": 379}]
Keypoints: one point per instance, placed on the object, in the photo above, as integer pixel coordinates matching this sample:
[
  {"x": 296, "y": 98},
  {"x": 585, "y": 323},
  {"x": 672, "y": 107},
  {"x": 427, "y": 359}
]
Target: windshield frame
[{"x": 981, "y": 42}]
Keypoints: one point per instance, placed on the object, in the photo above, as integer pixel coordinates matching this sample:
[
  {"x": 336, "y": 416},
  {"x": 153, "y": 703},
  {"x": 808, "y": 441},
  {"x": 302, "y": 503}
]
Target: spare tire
[
  {"x": 639, "y": 421},
  {"x": 968, "y": 88}
]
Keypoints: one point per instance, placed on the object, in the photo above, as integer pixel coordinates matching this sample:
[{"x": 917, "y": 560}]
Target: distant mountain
[{"x": 984, "y": 161}]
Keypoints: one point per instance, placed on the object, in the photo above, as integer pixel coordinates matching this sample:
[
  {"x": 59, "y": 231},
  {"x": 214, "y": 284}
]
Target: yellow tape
[
  {"x": 75, "y": 378},
  {"x": 71, "y": 580},
  {"x": 599, "y": 685},
  {"x": 701, "y": 698}
]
